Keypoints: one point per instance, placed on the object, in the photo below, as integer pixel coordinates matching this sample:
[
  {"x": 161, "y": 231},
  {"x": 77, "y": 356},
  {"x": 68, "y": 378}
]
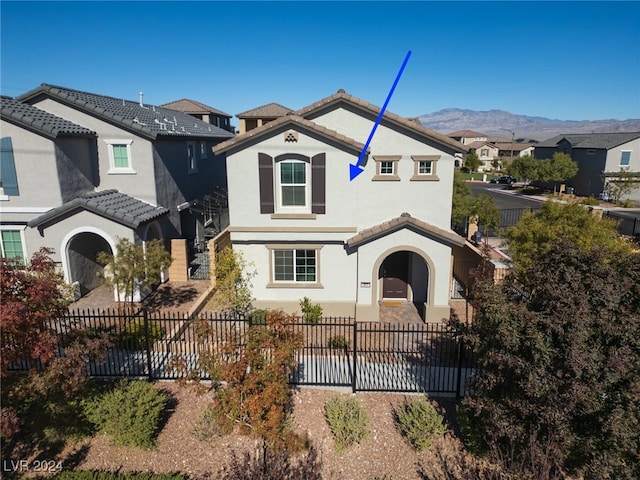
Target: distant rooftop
[
  {"x": 192, "y": 107},
  {"x": 270, "y": 110}
]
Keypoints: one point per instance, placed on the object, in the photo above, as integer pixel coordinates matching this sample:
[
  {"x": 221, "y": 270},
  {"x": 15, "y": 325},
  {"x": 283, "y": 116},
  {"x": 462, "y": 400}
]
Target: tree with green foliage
[
  {"x": 534, "y": 235},
  {"x": 233, "y": 282},
  {"x": 460, "y": 199},
  {"x": 134, "y": 267},
  {"x": 524, "y": 168},
  {"x": 557, "y": 169},
  {"x": 472, "y": 162},
  {"x": 480, "y": 208},
  {"x": 558, "y": 387}
]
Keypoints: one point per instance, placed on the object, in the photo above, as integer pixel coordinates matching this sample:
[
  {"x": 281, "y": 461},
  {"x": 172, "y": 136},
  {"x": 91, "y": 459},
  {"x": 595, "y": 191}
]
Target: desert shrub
[
  {"x": 590, "y": 201},
  {"x": 338, "y": 341},
  {"x": 134, "y": 334},
  {"x": 129, "y": 414},
  {"x": 275, "y": 465},
  {"x": 419, "y": 421},
  {"x": 208, "y": 425},
  {"x": 471, "y": 431},
  {"x": 311, "y": 312},
  {"x": 348, "y": 421},
  {"x": 106, "y": 475}
]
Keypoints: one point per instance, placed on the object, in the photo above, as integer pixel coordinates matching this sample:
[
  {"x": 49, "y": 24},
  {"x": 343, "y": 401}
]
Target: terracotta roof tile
[
  {"x": 405, "y": 221},
  {"x": 270, "y": 110},
  {"x": 292, "y": 120},
  {"x": 342, "y": 96},
  {"x": 191, "y": 106}
]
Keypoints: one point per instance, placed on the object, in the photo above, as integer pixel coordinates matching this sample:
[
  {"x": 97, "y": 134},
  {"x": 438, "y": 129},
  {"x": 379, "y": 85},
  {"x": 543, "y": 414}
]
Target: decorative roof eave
[
  {"x": 405, "y": 221},
  {"x": 94, "y": 203},
  {"x": 280, "y": 124},
  {"x": 341, "y": 96}
]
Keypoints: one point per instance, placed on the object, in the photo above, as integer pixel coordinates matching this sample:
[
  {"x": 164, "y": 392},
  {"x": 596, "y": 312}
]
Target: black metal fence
[{"x": 337, "y": 352}]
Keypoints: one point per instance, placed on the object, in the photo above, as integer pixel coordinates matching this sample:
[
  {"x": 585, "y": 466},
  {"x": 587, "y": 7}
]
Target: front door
[{"x": 395, "y": 271}]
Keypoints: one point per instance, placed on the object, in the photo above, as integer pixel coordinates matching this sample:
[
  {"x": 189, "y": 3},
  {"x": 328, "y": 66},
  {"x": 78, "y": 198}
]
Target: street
[{"x": 503, "y": 199}]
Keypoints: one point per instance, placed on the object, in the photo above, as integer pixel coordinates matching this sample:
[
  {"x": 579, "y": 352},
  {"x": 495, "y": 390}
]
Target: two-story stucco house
[
  {"x": 80, "y": 170},
  {"x": 308, "y": 230},
  {"x": 600, "y": 157}
]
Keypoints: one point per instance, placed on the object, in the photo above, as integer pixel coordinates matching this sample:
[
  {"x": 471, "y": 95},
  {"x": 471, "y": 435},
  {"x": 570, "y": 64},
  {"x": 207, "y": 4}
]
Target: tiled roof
[
  {"x": 479, "y": 144},
  {"x": 405, "y": 221},
  {"x": 341, "y": 96},
  {"x": 293, "y": 121},
  {"x": 45, "y": 123},
  {"x": 591, "y": 140},
  {"x": 146, "y": 120},
  {"x": 270, "y": 110},
  {"x": 517, "y": 147},
  {"x": 466, "y": 134},
  {"x": 111, "y": 204},
  {"x": 191, "y": 106}
]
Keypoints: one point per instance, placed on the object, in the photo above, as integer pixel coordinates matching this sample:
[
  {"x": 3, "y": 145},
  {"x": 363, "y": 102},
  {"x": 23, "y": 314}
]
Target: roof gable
[
  {"x": 405, "y": 221},
  {"x": 294, "y": 122},
  {"x": 466, "y": 134},
  {"x": 145, "y": 120},
  {"x": 341, "y": 98},
  {"x": 118, "y": 207},
  {"x": 270, "y": 110},
  {"x": 37, "y": 120},
  {"x": 186, "y": 105}
]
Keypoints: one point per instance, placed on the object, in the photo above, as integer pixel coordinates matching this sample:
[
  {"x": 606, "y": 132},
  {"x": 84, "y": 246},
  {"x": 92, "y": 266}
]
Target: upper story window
[
  {"x": 484, "y": 152},
  {"x": 12, "y": 245},
  {"x": 625, "y": 158},
  {"x": 192, "y": 163},
  {"x": 120, "y": 160},
  {"x": 386, "y": 167},
  {"x": 424, "y": 167},
  {"x": 203, "y": 149},
  {"x": 292, "y": 185},
  {"x": 8, "y": 176}
]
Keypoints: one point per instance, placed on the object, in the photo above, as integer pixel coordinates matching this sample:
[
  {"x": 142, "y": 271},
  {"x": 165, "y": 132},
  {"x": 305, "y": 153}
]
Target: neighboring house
[
  {"x": 600, "y": 157},
  {"x": 466, "y": 137},
  {"x": 486, "y": 152},
  {"x": 256, "y": 117},
  {"x": 202, "y": 112},
  {"x": 348, "y": 245},
  {"x": 507, "y": 149},
  {"x": 81, "y": 170}
]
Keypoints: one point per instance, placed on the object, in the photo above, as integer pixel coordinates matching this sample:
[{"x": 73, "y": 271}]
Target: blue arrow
[{"x": 357, "y": 169}]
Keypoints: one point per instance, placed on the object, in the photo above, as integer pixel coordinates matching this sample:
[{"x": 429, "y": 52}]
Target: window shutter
[
  {"x": 265, "y": 171},
  {"x": 318, "y": 183},
  {"x": 8, "y": 176}
]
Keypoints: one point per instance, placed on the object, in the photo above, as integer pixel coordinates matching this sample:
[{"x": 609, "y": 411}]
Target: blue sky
[{"x": 570, "y": 61}]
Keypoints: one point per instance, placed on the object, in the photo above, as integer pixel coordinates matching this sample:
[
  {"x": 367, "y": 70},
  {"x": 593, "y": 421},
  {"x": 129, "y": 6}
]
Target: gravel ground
[{"x": 384, "y": 454}]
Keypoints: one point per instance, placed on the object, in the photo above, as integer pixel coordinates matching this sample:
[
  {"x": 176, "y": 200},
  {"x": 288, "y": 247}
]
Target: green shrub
[
  {"x": 338, "y": 341},
  {"x": 275, "y": 464},
  {"x": 471, "y": 431},
  {"x": 311, "y": 312},
  {"x": 590, "y": 201},
  {"x": 208, "y": 426},
  {"x": 106, "y": 475},
  {"x": 348, "y": 421},
  {"x": 419, "y": 421},
  {"x": 257, "y": 317},
  {"x": 130, "y": 414},
  {"x": 134, "y": 335}
]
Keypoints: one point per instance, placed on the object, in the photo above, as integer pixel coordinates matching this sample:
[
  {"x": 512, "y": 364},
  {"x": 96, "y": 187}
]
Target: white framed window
[
  {"x": 294, "y": 266},
  {"x": 12, "y": 244},
  {"x": 293, "y": 185},
  {"x": 120, "y": 159},
  {"x": 386, "y": 167},
  {"x": 192, "y": 162},
  {"x": 625, "y": 158},
  {"x": 484, "y": 152},
  {"x": 424, "y": 167}
]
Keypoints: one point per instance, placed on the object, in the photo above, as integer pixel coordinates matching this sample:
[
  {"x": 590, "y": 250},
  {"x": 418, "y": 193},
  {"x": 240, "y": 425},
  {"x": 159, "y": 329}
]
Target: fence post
[
  {"x": 147, "y": 341},
  {"x": 460, "y": 344},
  {"x": 355, "y": 356}
]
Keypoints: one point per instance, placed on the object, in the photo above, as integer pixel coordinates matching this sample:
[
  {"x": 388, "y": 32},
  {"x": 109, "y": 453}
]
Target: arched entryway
[{"x": 83, "y": 266}]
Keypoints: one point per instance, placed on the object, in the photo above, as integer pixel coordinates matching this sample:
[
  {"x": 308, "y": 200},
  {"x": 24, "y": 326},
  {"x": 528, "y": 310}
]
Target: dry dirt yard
[{"x": 384, "y": 454}]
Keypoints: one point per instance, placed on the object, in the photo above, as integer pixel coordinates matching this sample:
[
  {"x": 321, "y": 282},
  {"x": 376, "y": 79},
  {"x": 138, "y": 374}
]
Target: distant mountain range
[{"x": 539, "y": 128}]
